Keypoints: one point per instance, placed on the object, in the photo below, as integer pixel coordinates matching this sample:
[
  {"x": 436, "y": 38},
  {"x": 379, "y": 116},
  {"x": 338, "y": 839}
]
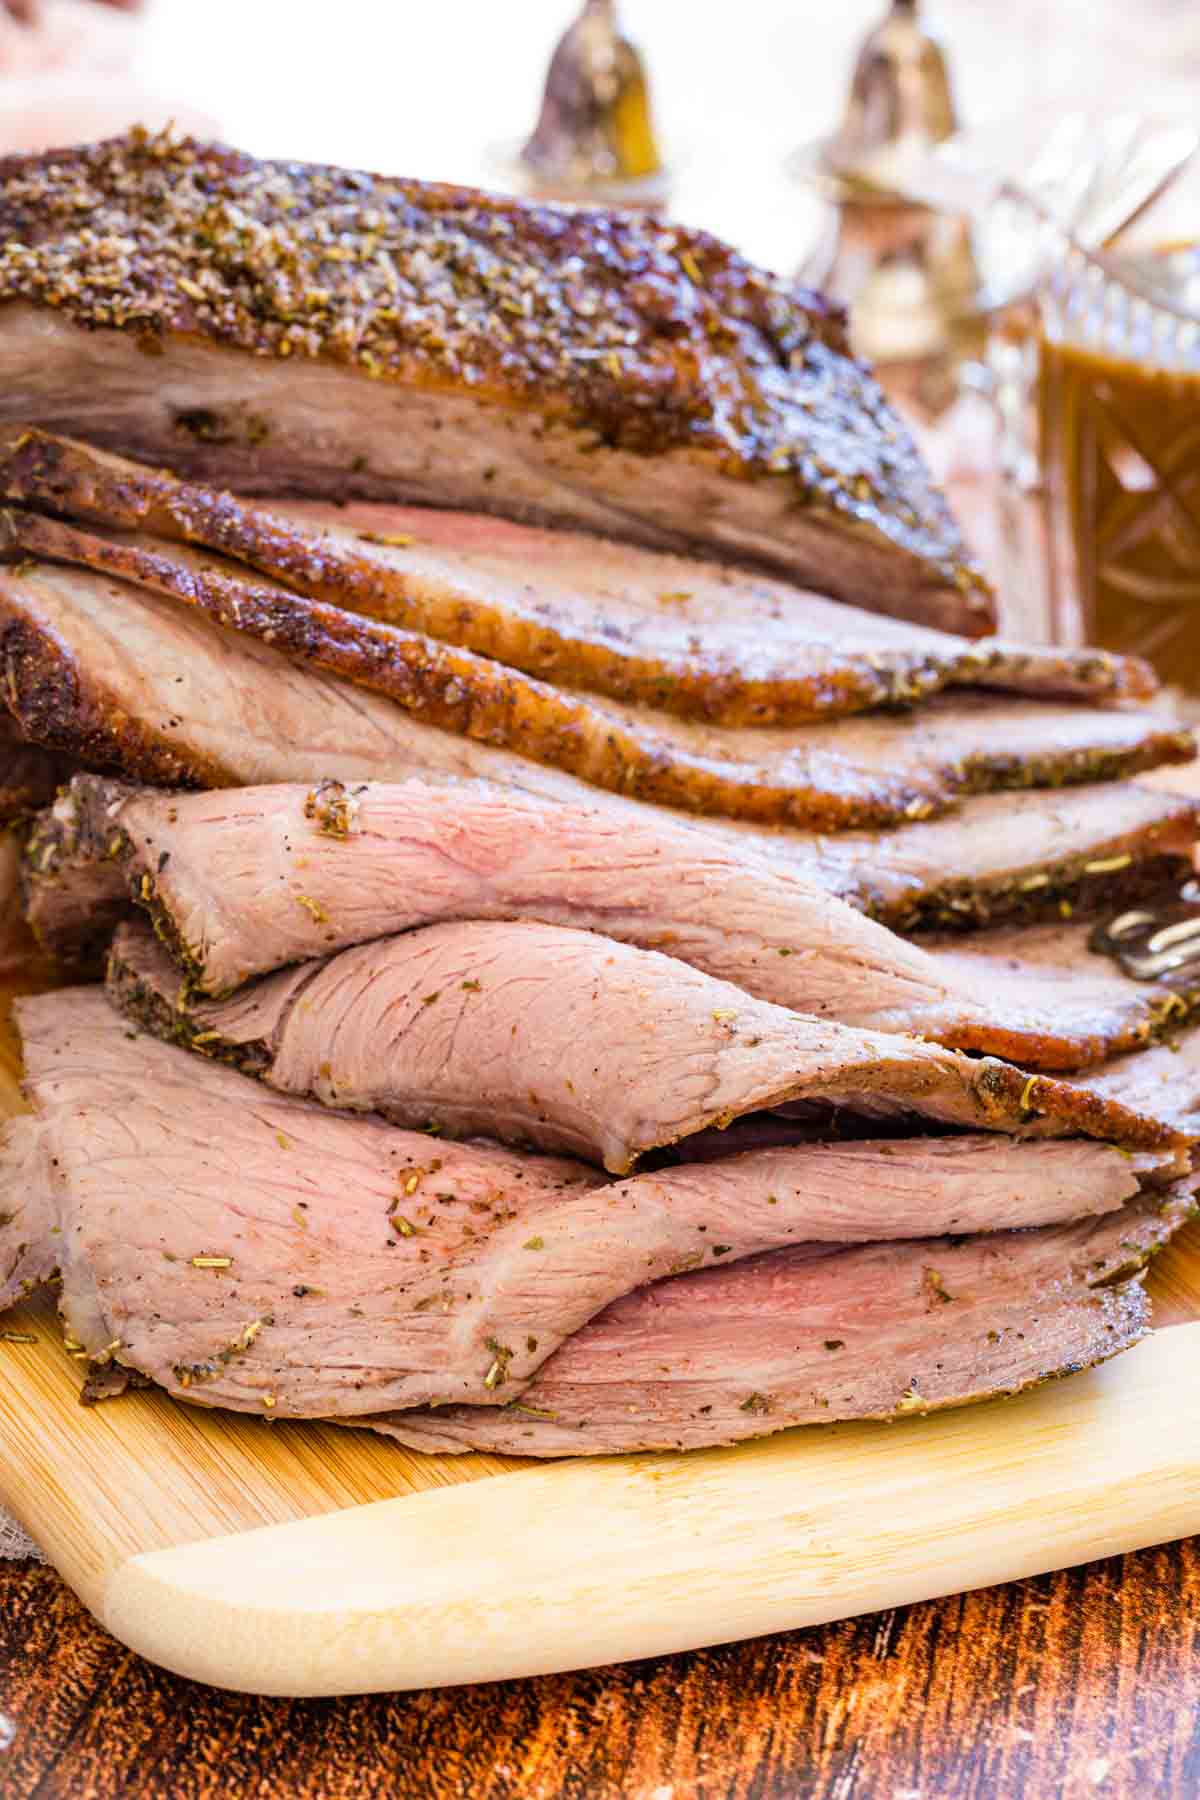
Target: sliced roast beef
[
  {"x": 322, "y": 331},
  {"x": 29, "y": 1244},
  {"x": 131, "y": 682},
  {"x": 194, "y": 1211},
  {"x": 1055, "y": 972},
  {"x": 29, "y": 775},
  {"x": 28, "y": 778},
  {"x": 1166, "y": 1080},
  {"x": 1006, "y": 856},
  {"x": 241, "y": 882},
  {"x": 572, "y": 1042},
  {"x": 809, "y": 1335},
  {"x": 253, "y": 1251},
  {"x": 697, "y": 639},
  {"x": 869, "y": 771},
  {"x": 1086, "y": 850},
  {"x": 73, "y": 891},
  {"x": 127, "y": 681}
]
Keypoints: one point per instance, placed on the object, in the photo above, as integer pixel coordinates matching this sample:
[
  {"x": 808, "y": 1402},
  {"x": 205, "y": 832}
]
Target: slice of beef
[
  {"x": 241, "y": 882},
  {"x": 569, "y": 1041},
  {"x": 1165, "y": 1079},
  {"x": 29, "y": 1246},
  {"x": 130, "y": 682},
  {"x": 29, "y": 777},
  {"x": 1054, "y": 971},
  {"x": 810, "y": 1335},
  {"x": 697, "y": 639},
  {"x": 257, "y": 1252},
  {"x": 1009, "y": 856},
  {"x": 73, "y": 888},
  {"x": 869, "y": 771},
  {"x": 194, "y": 1211},
  {"x": 323, "y": 331}
]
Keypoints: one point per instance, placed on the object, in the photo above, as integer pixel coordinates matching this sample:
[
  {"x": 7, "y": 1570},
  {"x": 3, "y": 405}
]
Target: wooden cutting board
[{"x": 307, "y": 1560}]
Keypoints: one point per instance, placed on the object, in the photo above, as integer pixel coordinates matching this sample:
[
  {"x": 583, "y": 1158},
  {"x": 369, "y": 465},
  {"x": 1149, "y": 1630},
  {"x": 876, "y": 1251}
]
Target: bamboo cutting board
[{"x": 307, "y": 1560}]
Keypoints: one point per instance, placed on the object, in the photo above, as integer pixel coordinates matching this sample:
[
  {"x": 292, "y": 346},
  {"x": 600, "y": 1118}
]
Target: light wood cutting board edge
[
  {"x": 573, "y": 1564},
  {"x": 308, "y": 1560}
]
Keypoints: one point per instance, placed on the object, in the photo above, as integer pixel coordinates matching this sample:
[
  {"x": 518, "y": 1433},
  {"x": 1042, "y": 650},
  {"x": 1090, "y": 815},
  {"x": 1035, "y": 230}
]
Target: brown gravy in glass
[{"x": 1120, "y": 456}]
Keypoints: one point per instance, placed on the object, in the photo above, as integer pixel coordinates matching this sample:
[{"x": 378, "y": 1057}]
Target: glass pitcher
[{"x": 1118, "y": 450}]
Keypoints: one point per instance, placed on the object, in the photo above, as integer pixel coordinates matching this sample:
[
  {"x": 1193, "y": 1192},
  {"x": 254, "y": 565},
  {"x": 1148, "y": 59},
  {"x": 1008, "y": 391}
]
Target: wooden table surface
[{"x": 1083, "y": 1683}]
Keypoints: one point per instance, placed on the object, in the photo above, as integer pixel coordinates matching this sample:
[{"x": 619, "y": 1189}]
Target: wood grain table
[{"x": 1085, "y": 1683}]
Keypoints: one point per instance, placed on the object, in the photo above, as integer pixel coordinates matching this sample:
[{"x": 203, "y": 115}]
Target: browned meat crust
[
  {"x": 1076, "y": 887},
  {"x": 57, "y": 704},
  {"x": 695, "y": 639},
  {"x": 654, "y": 348},
  {"x": 867, "y": 772}
]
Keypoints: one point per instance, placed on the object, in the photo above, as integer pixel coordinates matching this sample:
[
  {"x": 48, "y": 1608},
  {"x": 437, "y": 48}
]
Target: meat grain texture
[
  {"x": 287, "y": 1260},
  {"x": 242, "y": 883},
  {"x": 569, "y": 1041}
]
